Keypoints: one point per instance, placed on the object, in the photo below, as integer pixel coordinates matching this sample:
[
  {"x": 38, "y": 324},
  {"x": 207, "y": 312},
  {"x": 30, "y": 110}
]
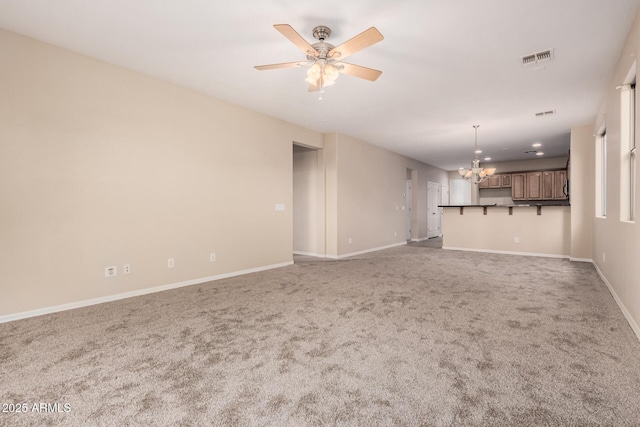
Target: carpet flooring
[
  {"x": 434, "y": 243},
  {"x": 405, "y": 336}
]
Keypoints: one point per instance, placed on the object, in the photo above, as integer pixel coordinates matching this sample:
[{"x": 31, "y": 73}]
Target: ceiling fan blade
[
  {"x": 282, "y": 65},
  {"x": 359, "y": 71},
  {"x": 313, "y": 88},
  {"x": 296, "y": 39},
  {"x": 357, "y": 43}
]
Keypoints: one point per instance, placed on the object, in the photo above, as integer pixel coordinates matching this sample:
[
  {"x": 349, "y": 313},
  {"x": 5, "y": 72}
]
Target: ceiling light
[
  {"x": 537, "y": 144},
  {"x": 487, "y": 158},
  {"x": 322, "y": 74},
  {"x": 476, "y": 174},
  {"x": 478, "y": 151},
  {"x": 539, "y": 153}
]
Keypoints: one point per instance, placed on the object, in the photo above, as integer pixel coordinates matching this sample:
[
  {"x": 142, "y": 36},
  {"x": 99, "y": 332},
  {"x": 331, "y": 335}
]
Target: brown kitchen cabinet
[
  {"x": 518, "y": 186},
  {"x": 548, "y": 185},
  {"x": 495, "y": 181},
  {"x": 533, "y": 189},
  {"x": 492, "y": 181},
  {"x": 531, "y": 185},
  {"x": 561, "y": 190}
]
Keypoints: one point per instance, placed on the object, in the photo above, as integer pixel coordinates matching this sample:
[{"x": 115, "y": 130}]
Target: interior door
[{"x": 434, "y": 216}]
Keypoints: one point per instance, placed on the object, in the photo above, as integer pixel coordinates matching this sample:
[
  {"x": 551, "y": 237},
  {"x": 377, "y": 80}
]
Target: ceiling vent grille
[
  {"x": 545, "y": 113},
  {"x": 535, "y": 58}
]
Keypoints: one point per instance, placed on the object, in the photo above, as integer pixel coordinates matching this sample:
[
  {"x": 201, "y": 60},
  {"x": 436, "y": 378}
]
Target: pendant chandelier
[{"x": 476, "y": 174}]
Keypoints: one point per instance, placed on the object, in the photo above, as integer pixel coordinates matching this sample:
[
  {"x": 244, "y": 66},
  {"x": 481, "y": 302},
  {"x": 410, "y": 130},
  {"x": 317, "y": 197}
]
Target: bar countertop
[{"x": 495, "y": 205}]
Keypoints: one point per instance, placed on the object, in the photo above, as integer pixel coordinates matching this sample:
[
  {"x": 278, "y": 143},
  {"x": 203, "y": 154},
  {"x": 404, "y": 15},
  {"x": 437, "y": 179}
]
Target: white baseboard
[
  {"x": 627, "y": 315},
  {"x": 308, "y": 254},
  {"x": 109, "y": 298},
  {"x": 581, "y": 259},
  {"x": 507, "y": 252},
  {"x": 366, "y": 251}
]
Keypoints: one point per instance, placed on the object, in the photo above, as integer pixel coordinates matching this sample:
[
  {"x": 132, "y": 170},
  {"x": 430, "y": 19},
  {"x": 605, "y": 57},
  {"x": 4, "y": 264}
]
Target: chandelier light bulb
[
  {"x": 313, "y": 74},
  {"x": 331, "y": 73}
]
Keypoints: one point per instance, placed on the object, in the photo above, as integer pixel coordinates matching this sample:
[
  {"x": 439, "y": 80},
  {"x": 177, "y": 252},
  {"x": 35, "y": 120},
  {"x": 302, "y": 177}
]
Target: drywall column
[
  {"x": 475, "y": 194},
  {"x": 331, "y": 194},
  {"x": 582, "y": 192}
]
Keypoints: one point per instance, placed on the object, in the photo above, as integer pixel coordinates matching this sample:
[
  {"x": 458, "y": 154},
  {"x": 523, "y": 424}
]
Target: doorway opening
[{"x": 308, "y": 201}]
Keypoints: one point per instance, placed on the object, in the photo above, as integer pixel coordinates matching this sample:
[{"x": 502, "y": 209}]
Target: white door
[
  {"x": 434, "y": 217},
  {"x": 408, "y": 196}
]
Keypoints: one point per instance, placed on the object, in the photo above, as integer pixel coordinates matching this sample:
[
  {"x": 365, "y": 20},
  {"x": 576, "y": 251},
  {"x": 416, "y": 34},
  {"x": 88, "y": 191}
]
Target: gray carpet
[
  {"x": 433, "y": 243},
  {"x": 405, "y": 336}
]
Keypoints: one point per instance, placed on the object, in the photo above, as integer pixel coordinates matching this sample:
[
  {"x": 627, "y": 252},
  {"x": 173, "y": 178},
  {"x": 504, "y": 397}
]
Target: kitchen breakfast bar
[{"x": 524, "y": 229}]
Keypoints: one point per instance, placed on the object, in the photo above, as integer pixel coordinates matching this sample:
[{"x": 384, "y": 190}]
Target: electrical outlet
[
  {"x": 516, "y": 240},
  {"x": 212, "y": 256},
  {"x": 126, "y": 269},
  {"x": 395, "y": 233},
  {"x": 350, "y": 241},
  {"x": 111, "y": 271},
  {"x": 170, "y": 263},
  {"x": 604, "y": 257}
]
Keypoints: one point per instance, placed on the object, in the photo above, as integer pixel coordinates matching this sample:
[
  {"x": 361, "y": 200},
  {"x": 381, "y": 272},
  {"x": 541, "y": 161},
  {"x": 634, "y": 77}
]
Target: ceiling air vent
[
  {"x": 535, "y": 58},
  {"x": 545, "y": 113}
]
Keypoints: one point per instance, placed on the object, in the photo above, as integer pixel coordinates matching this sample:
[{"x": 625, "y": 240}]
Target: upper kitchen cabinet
[
  {"x": 539, "y": 185},
  {"x": 561, "y": 185},
  {"x": 496, "y": 181},
  {"x": 518, "y": 186}
]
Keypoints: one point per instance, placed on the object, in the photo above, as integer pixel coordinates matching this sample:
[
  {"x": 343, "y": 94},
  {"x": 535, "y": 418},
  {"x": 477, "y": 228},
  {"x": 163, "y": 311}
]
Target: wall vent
[
  {"x": 535, "y": 58},
  {"x": 545, "y": 113}
]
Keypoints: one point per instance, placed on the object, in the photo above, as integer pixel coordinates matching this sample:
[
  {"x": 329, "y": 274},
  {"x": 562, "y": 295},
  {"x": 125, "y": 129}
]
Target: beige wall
[
  {"x": 616, "y": 244},
  {"x": 331, "y": 193},
  {"x": 546, "y": 234},
  {"x": 365, "y": 189},
  {"x": 102, "y": 166},
  {"x": 582, "y": 182}
]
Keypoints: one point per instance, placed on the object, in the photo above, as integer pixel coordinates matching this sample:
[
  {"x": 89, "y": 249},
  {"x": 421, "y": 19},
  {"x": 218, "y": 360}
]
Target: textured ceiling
[{"x": 447, "y": 65}]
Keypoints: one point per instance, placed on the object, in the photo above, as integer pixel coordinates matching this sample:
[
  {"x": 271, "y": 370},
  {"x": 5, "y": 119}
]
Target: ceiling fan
[{"x": 324, "y": 59}]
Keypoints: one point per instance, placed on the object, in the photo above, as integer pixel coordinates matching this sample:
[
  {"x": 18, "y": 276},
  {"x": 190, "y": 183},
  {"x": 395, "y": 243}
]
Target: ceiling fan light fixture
[
  {"x": 322, "y": 74},
  {"x": 323, "y": 57},
  {"x": 330, "y": 74},
  {"x": 313, "y": 74}
]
